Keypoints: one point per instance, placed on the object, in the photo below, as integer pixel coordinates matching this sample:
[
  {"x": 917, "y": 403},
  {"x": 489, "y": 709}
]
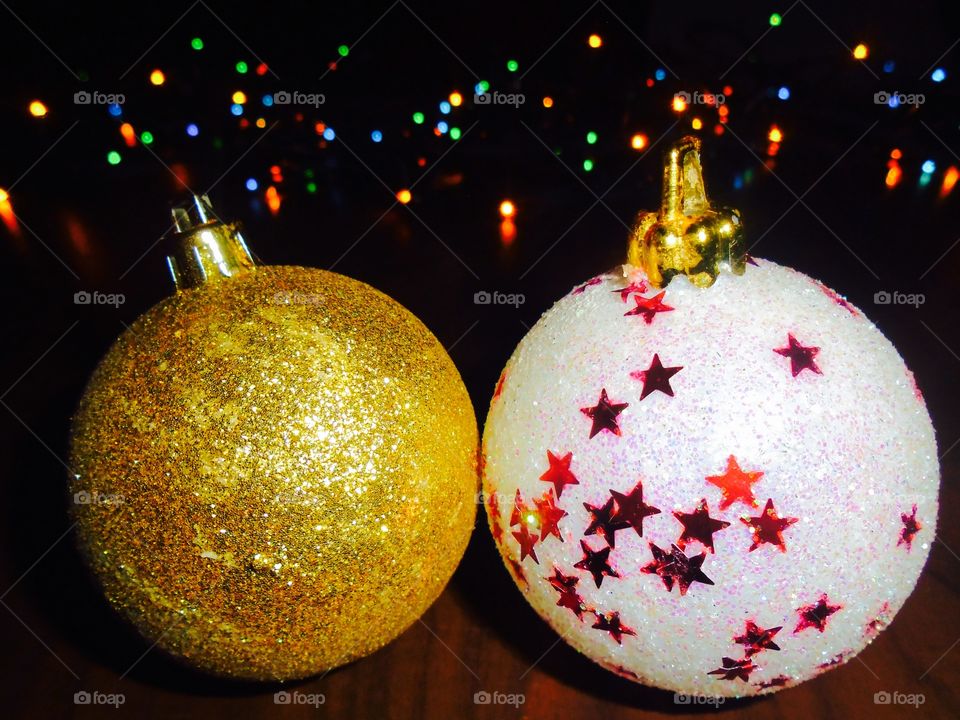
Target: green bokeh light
[
  {"x": 146, "y": 137},
  {"x": 512, "y": 65},
  {"x": 343, "y": 50},
  {"x": 197, "y": 43},
  {"x": 242, "y": 67},
  {"x": 418, "y": 118},
  {"x": 591, "y": 138},
  {"x": 588, "y": 165},
  {"x": 113, "y": 157}
]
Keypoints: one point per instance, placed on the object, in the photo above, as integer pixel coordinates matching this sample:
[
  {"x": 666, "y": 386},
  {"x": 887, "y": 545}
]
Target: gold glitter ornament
[{"x": 274, "y": 470}]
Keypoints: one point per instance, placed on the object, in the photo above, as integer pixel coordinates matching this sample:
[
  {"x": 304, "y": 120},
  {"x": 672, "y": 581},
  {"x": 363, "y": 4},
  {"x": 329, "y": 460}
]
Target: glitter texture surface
[
  {"x": 847, "y": 452},
  {"x": 278, "y": 472}
]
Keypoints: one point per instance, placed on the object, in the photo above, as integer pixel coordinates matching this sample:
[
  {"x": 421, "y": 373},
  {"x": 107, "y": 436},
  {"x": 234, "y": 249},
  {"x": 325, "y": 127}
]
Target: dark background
[{"x": 82, "y": 224}]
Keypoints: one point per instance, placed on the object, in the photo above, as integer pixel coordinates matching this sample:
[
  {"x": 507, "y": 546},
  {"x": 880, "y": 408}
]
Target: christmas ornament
[
  {"x": 274, "y": 469},
  {"x": 709, "y": 473}
]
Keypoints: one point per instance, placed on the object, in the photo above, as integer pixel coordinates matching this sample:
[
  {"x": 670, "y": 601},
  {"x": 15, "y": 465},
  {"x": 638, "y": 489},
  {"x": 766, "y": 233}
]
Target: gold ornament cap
[
  {"x": 205, "y": 249},
  {"x": 688, "y": 236}
]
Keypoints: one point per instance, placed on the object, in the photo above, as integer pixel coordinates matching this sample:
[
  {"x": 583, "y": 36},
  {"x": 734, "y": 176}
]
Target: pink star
[
  {"x": 647, "y": 308},
  {"x": 801, "y": 356}
]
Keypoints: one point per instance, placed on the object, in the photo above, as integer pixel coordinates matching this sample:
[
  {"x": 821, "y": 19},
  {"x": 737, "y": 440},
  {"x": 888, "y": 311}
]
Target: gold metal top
[
  {"x": 688, "y": 236},
  {"x": 204, "y": 249}
]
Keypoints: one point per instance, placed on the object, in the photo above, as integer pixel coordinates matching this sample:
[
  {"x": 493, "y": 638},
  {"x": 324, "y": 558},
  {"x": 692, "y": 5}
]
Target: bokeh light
[
  {"x": 638, "y": 141},
  {"x": 507, "y": 209},
  {"x": 113, "y": 157},
  {"x": 157, "y": 77},
  {"x": 37, "y": 108},
  {"x": 404, "y": 196},
  {"x": 860, "y": 52},
  {"x": 594, "y": 41}
]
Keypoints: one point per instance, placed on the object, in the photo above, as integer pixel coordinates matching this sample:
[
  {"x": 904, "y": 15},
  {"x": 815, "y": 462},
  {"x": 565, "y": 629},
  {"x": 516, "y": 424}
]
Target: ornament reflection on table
[
  {"x": 275, "y": 468},
  {"x": 709, "y": 473}
]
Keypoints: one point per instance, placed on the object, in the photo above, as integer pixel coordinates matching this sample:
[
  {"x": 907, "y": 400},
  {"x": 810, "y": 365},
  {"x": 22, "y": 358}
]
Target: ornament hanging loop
[
  {"x": 204, "y": 248},
  {"x": 688, "y": 236}
]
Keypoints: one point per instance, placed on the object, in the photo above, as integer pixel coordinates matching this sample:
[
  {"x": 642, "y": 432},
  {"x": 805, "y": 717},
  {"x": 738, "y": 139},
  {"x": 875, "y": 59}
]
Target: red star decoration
[
  {"x": 549, "y": 515},
  {"x": 879, "y": 622},
  {"x": 699, "y": 526},
  {"x": 631, "y": 510},
  {"x": 596, "y": 563},
  {"x": 588, "y": 283},
  {"x": 911, "y": 526},
  {"x": 838, "y": 299},
  {"x": 647, "y": 308},
  {"x": 816, "y": 615},
  {"x": 559, "y": 472},
  {"x": 569, "y": 597},
  {"x": 632, "y": 288},
  {"x": 801, "y": 356},
  {"x": 611, "y": 624},
  {"x": 500, "y": 382},
  {"x": 778, "y": 681},
  {"x": 734, "y": 669},
  {"x": 604, "y": 415},
  {"x": 749, "y": 259},
  {"x": 520, "y": 510},
  {"x": 602, "y": 524},
  {"x": 756, "y": 639},
  {"x": 835, "y": 660},
  {"x": 656, "y": 377},
  {"x": 768, "y": 527},
  {"x": 675, "y": 567},
  {"x": 735, "y": 484},
  {"x": 493, "y": 503},
  {"x": 527, "y": 540}
]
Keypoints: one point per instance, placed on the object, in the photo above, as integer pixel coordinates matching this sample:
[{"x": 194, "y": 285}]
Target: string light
[
  {"x": 273, "y": 199},
  {"x": 129, "y": 136},
  {"x": 376, "y": 136},
  {"x": 588, "y": 165},
  {"x": 679, "y": 104},
  {"x": 696, "y": 123},
  {"x": 950, "y": 178},
  {"x": 445, "y": 107},
  {"x": 929, "y": 167},
  {"x": 239, "y": 97},
  {"x": 938, "y": 75},
  {"x": 455, "y": 133},
  {"x": 146, "y": 137}
]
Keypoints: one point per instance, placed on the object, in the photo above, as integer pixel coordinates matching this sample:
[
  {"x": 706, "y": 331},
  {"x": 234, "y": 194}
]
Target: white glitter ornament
[{"x": 708, "y": 477}]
